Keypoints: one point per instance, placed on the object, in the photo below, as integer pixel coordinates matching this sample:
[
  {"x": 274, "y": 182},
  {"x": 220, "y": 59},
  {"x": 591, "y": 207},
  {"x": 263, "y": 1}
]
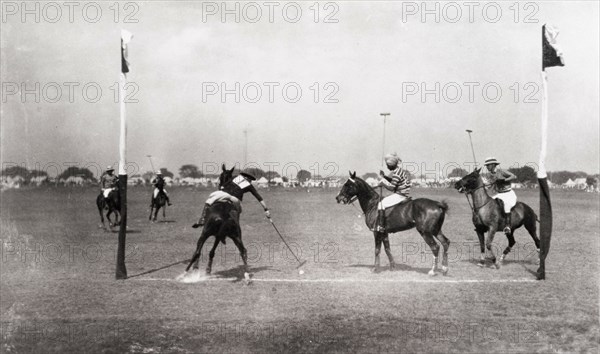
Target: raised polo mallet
[
  {"x": 151, "y": 164},
  {"x": 469, "y": 131},
  {"x": 300, "y": 263}
]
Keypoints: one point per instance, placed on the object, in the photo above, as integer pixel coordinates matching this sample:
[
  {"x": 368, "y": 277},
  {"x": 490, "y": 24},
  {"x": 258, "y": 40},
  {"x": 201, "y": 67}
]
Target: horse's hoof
[
  {"x": 375, "y": 270},
  {"x": 431, "y": 273},
  {"x": 444, "y": 270},
  {"x": 392, "y": 266},
  {"x": 481, "y": 263},
  {"x": 208, "y": 271}
]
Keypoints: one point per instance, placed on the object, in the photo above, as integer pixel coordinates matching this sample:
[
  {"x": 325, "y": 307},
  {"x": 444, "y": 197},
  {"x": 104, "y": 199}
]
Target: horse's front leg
[
  {"x": 388, "y": 251},
  {"x": 378, "y": 241},
  {"x": 481, "y": 236},
  {"x": 110, "y": 223},
  {"x": 489, "y": 246},
  {"x": 151, "y": 210}
]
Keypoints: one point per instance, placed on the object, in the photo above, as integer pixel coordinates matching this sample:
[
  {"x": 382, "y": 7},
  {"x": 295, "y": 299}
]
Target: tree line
[{"x": 525, "y": 174}]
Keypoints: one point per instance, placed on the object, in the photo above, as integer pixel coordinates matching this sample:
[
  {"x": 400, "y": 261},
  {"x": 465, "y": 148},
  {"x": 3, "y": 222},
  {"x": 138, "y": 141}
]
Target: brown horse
[
  {"x": 488, "y": 216},
  {"x": 112, "y": 205},
  {"x": 159, "y": 202},
  {"x": 222, "y": 221},
  {"x": 426, "y": 215}
]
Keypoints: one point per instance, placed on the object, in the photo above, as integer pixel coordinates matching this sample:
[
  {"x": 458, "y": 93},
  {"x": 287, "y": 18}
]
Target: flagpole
[
  {"x": 551, "y": 56},
  {"x": 121, "y": 270}
]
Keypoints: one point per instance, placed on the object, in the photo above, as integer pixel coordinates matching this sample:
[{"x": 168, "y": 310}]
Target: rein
[{"x": 473, "y": 208}]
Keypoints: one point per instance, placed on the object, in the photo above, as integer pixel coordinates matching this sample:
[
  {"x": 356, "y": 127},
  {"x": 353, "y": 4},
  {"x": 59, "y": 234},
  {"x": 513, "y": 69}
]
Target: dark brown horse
[
  {"x": 488, "y": 216},
  {"x": 112, "y": 205},
  {"x": 426, "y": 215},
  {"x": 159, "y": 202},
  {"x": 221, "y": 222}
]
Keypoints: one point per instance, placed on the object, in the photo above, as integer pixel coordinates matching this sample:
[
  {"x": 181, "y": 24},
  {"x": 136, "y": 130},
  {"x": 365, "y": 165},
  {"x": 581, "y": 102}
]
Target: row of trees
[
  {"x": 193, "y": 171},
  {"x": 525, "y": 174}
]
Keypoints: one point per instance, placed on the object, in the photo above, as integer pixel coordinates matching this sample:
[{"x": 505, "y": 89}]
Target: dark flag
[
  {"x": 125, "y": 39},
  {"x": 552, "y": 56}
]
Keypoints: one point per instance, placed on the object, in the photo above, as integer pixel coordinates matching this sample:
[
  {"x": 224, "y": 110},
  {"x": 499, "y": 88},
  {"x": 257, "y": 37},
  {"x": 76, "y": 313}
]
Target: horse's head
[
  {"x": 226, "y": 176},
  {"x": 349, "y": 190},
  {"x": 469, "y": 182}
]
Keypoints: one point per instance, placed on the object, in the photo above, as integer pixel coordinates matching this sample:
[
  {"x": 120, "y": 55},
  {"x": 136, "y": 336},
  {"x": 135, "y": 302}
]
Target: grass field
[{"x": 58, "y": 293}]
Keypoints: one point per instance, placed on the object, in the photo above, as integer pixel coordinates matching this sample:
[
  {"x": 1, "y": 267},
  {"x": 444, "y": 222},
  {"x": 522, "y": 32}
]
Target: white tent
[
  {"x": 580, "y": 183},
  {"x": 262, "y": 182},
  {"x": 371, "y": 182},
  {"x": 278, "y": 181}
]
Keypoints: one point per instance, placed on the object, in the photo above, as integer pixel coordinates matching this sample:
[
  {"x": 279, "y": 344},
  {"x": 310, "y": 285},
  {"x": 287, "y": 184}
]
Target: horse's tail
[{"x": 444, "y": 206}]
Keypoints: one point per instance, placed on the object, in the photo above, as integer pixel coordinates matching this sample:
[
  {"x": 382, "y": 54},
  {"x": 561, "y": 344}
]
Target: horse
[
  {"x": 159, "y": 202},
  {"x": 488, "y": 216},
  {"x": 221, "y": 224},
  {"x": 112, "y": 204},
  {"x": 426, "y": 215}
]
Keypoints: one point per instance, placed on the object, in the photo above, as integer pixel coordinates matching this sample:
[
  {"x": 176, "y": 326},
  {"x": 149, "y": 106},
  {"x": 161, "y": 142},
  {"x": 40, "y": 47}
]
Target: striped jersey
[{"x": 400, "y": 182}]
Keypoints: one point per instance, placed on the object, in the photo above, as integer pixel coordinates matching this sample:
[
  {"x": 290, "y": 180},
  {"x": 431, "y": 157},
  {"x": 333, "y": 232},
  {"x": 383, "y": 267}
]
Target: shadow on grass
[
  {"x": 159, "y": 268},
  {"x": 115, "y": 230},
  {"x": 398, "y": 267},
  {"x": 163, "y": 221},
  {"x": 238, "y": 272}
]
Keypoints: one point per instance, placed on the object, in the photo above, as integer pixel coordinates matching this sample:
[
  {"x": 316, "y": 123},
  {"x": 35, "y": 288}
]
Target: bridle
[{"x": 473, "y": 208}]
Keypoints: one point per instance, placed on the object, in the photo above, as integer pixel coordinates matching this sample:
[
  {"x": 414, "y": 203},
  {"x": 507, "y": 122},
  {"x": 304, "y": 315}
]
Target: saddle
[{"x": 389, "y": 210}]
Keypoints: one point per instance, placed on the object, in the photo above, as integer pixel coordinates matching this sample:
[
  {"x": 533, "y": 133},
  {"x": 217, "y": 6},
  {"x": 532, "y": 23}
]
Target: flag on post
[
  {"x": 121, "y": 270},
  {"x": 125, "y": 39},
  {"x": 551, "y": 56}
]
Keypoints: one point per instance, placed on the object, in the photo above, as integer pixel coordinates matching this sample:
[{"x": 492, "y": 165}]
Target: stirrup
[
  {"x": 507, "y": 230},
  {"x": 380, "y": 229}
]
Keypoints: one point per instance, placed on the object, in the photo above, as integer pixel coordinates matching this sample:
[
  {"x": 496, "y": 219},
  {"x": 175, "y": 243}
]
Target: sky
[{"x": 359, "y": 59}]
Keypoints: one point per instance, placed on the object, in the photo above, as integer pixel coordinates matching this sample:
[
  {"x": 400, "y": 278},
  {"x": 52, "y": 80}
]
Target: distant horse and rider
[
  {"x": 398, "y": 212},
  {"x": 109, "y": 199},
  {"x": 160, "y": 198},
  {"x": 221, "y": 216},
  {"x": 499, "y": 211}
]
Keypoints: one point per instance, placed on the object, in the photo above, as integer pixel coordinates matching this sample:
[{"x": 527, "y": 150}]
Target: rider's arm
[
  {"x": 508, "y": 176},
  {"x": 258, "y": 197}
]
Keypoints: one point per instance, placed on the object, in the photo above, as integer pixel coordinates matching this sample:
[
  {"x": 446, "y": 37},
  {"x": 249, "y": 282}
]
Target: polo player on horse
[
  {"x": 159, "y": 187},
  {"x": 397, "y": 181},
  {"x": 108, "y": 182},
  {"x": 233, "y": 192},
  {"x": 498, "y": 183}
]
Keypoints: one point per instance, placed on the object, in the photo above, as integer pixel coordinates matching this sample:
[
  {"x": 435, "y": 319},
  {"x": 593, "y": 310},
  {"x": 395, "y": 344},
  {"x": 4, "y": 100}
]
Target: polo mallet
[
  {"x": 300, "y": 263},
  {"x": 151, "y": 164},
  {"x": 469, "y": 131},
  {"x": 472, "y": 150}
]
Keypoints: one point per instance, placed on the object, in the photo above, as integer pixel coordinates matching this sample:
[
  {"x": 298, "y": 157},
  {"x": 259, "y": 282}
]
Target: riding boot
[
  {"x": 203, "y": 217},
  {"x": 507, "y": 227},
  {"x": 380, "y": 221}
]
